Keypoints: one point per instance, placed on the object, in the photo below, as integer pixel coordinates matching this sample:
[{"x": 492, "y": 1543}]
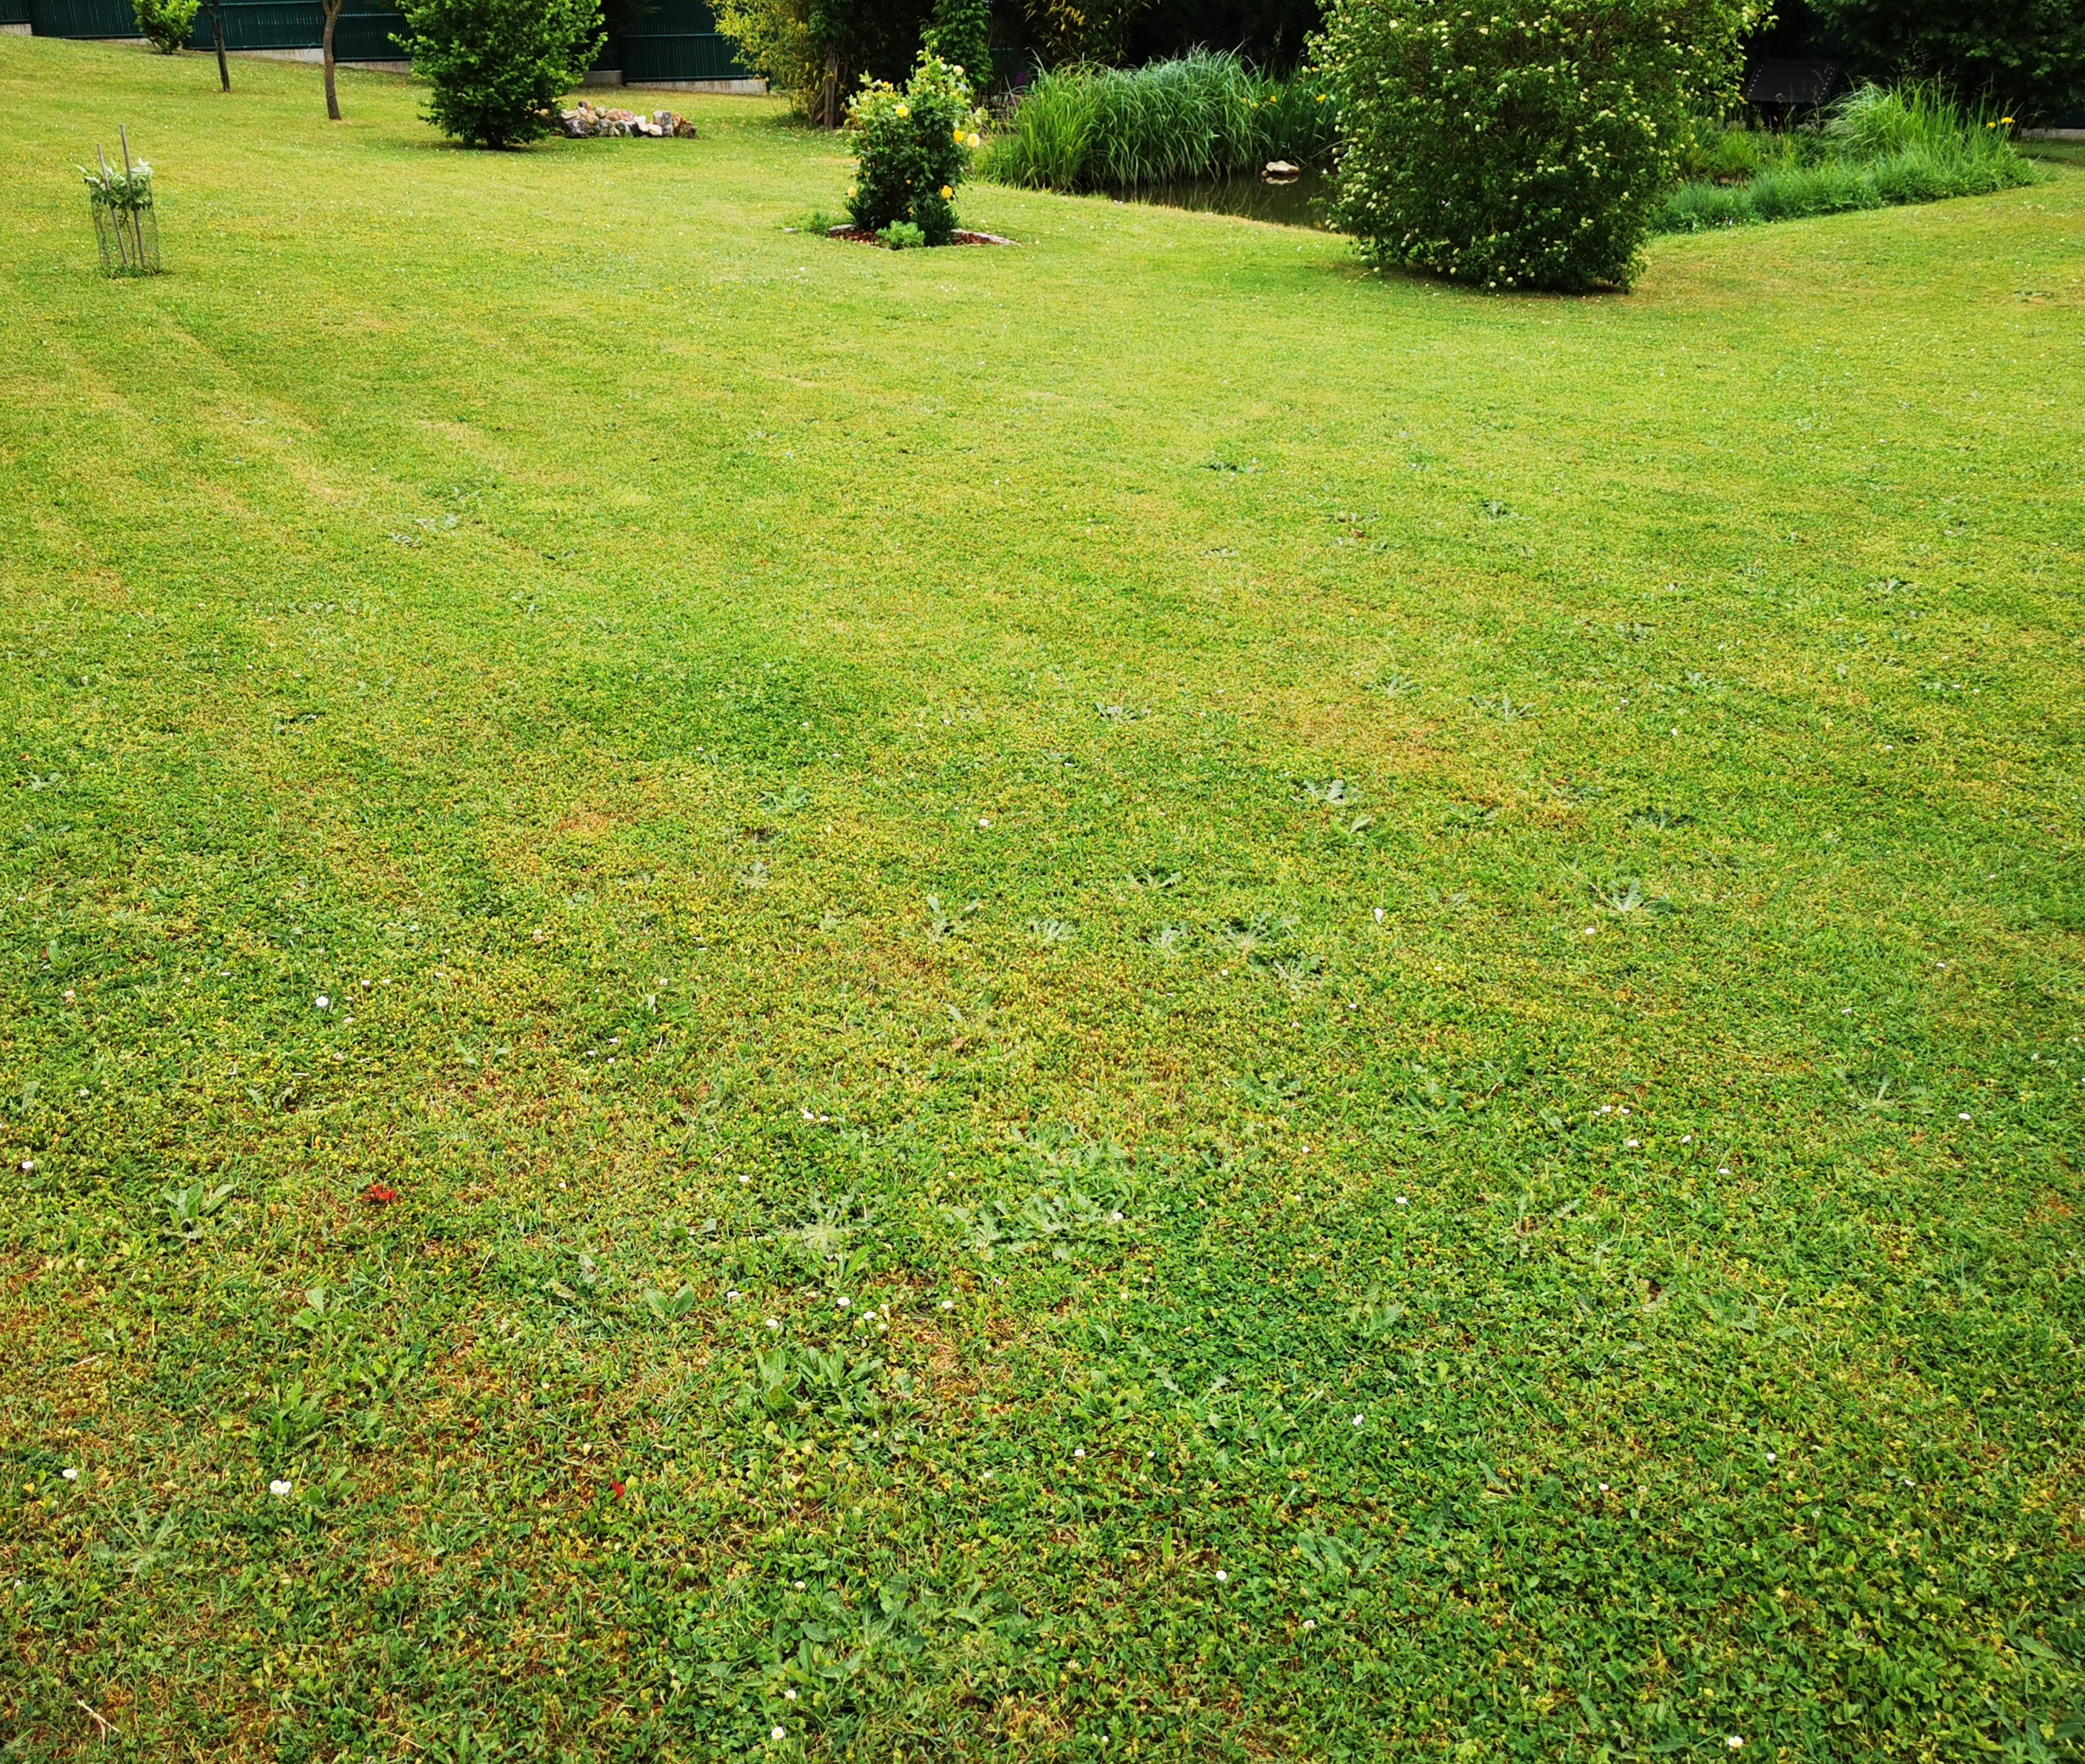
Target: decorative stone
[{"x": 586, "y": 120}]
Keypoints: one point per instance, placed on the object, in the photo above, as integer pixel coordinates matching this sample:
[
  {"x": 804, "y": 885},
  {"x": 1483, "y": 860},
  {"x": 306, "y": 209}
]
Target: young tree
[
  {"x": 330, "y": 9},
  {"x": 498, "y": 67},
  {"x": 215, "y": 9}
]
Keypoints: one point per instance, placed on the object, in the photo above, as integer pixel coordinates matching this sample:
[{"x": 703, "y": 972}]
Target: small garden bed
[{"x": 861, "y": 235}]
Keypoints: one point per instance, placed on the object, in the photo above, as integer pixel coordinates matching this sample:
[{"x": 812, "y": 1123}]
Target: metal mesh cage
[{"x": 129, "y": 238}]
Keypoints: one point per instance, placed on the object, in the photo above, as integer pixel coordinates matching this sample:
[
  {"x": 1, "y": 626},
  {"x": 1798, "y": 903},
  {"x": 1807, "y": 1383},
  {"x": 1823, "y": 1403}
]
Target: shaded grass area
[
  {"x": 1881, "y": 147},
  {"x": 1203, "y": 115},
  {"x": 1413, "y": 959}
]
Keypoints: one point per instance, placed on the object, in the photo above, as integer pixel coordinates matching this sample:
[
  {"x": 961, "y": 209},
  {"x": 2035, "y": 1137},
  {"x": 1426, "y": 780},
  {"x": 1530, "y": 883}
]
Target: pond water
[{"x": 1284, "y": 205}]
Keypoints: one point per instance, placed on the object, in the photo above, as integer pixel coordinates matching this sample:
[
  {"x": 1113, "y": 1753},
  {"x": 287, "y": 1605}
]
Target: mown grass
[
  {"x": 1527, "y": 849},
  {"x": 1202, "y": 115},
  {"x": 1880, "y": 147}
]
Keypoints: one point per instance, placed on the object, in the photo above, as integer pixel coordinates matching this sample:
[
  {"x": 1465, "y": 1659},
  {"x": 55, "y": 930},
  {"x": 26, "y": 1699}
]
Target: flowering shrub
[
  {"x": 1526, "y": 147},
  {"x": 912, "y": 151}
]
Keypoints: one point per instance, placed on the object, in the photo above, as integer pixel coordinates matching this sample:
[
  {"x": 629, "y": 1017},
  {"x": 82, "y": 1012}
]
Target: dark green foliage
[
  {"x": 2027, "y": 54},
  {"x": 165, "y": 24},
  {"x": 913, "y": 149},
  {"x": 497, "y": 67},
  {"x": 1527, "y": 150},
  {"x": 1203, "y": 115},
  {"x": 960, "y": 34},
  {"x": 1882, "y": 147},
  {"x": 1270, "y": 33}
]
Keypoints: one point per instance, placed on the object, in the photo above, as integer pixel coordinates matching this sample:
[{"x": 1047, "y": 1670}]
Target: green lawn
[{"x": 1134, "y": 998}]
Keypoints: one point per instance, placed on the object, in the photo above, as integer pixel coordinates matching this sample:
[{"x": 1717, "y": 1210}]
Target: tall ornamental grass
[
  {"x": 1204, "y": 115},
  {"x": 1882, "y": 147}
]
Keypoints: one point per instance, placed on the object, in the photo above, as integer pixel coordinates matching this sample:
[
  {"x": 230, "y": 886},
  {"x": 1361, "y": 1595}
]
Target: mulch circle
[{"x": 860, "y": 235}]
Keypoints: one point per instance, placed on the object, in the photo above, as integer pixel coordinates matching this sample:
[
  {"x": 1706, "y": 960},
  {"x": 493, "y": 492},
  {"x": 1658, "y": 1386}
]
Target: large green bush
[
  {"x": 2027, "y": 54},
  {"x": 912, "y": 151},
  {"x": 165, "y": 24},
  {"x": 1201, "y": 115},
  {"x": 498, "y": 67},
  {"x": 1525, "y": 147}
]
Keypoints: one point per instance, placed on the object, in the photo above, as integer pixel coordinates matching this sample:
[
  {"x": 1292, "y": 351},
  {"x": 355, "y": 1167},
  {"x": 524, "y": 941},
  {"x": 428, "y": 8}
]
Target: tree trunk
[
  {"x": 217, "y": 37},
  {"x": 332, "y": 97},
  {"x": 832, "y": 88}
]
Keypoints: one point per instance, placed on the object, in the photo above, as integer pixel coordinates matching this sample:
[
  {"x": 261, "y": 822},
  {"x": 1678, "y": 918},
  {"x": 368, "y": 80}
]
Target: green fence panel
[
  {"x": 678, "y": 40},
  {"x": 363, "y": 33},
  {"x": 82, "y": 17},
  {"x": 657, "y": 56},
  {"x": 14, "y": 11}
]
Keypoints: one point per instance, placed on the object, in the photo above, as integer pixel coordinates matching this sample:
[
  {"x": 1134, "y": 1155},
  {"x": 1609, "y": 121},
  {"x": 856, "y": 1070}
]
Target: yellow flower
[
  {"x": 904, "y": 110},
  {"x": 975, "y": 138},
  {"x": 946, "y": 192},
  {"x": 2006, "y": 121},
  {"x": 959, "y": 137}
]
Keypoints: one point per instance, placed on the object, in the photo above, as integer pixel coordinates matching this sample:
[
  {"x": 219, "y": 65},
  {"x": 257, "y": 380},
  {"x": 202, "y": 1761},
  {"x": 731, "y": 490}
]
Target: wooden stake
[{"x": 130, "y": 190}]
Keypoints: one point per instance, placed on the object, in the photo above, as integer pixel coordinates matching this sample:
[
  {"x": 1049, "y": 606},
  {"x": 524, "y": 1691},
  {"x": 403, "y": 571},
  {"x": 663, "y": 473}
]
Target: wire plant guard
[{"x": 124, "y": 226}]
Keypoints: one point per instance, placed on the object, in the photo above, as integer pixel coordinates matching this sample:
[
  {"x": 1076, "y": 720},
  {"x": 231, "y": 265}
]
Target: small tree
[
  {"x": 215, "y": 9},
  {"x": 1520, "y": 149},
  {"x": 165, "y": 24},
  {"x": 330, "y": 11},
  {"x": 498, "y": 67}
]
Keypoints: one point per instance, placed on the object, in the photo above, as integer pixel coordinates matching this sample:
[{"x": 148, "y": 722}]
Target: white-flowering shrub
[{"x": 1520, "y": 145}]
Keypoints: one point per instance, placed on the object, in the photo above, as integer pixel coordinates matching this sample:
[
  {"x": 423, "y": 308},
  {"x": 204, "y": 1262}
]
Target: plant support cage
[{"x": 124, "y": 226}]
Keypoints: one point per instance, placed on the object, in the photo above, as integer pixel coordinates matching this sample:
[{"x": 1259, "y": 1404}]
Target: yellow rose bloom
[
  {"x": 946, "y": 192},
  {"x": 904, "y": 110},
  {"x": 959, "y": 137}
]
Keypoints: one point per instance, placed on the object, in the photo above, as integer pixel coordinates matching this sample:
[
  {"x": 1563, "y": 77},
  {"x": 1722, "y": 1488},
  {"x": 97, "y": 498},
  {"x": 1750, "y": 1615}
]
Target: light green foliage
[
  {"x": 1203, "y": 115},
  {"x": 774, "y": 38},
  {"x": 464, "y": 610},
  {"x": 960, "y": 33},
  {"x": 912, "y": 151},
  {"x": 497, "y": 67},
  {"x": 1881, "y": 147},
  {"x": 1526, "y": 149},
  {"x": 127, "y": 189},
  {"x": 166, "y": 24}
]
